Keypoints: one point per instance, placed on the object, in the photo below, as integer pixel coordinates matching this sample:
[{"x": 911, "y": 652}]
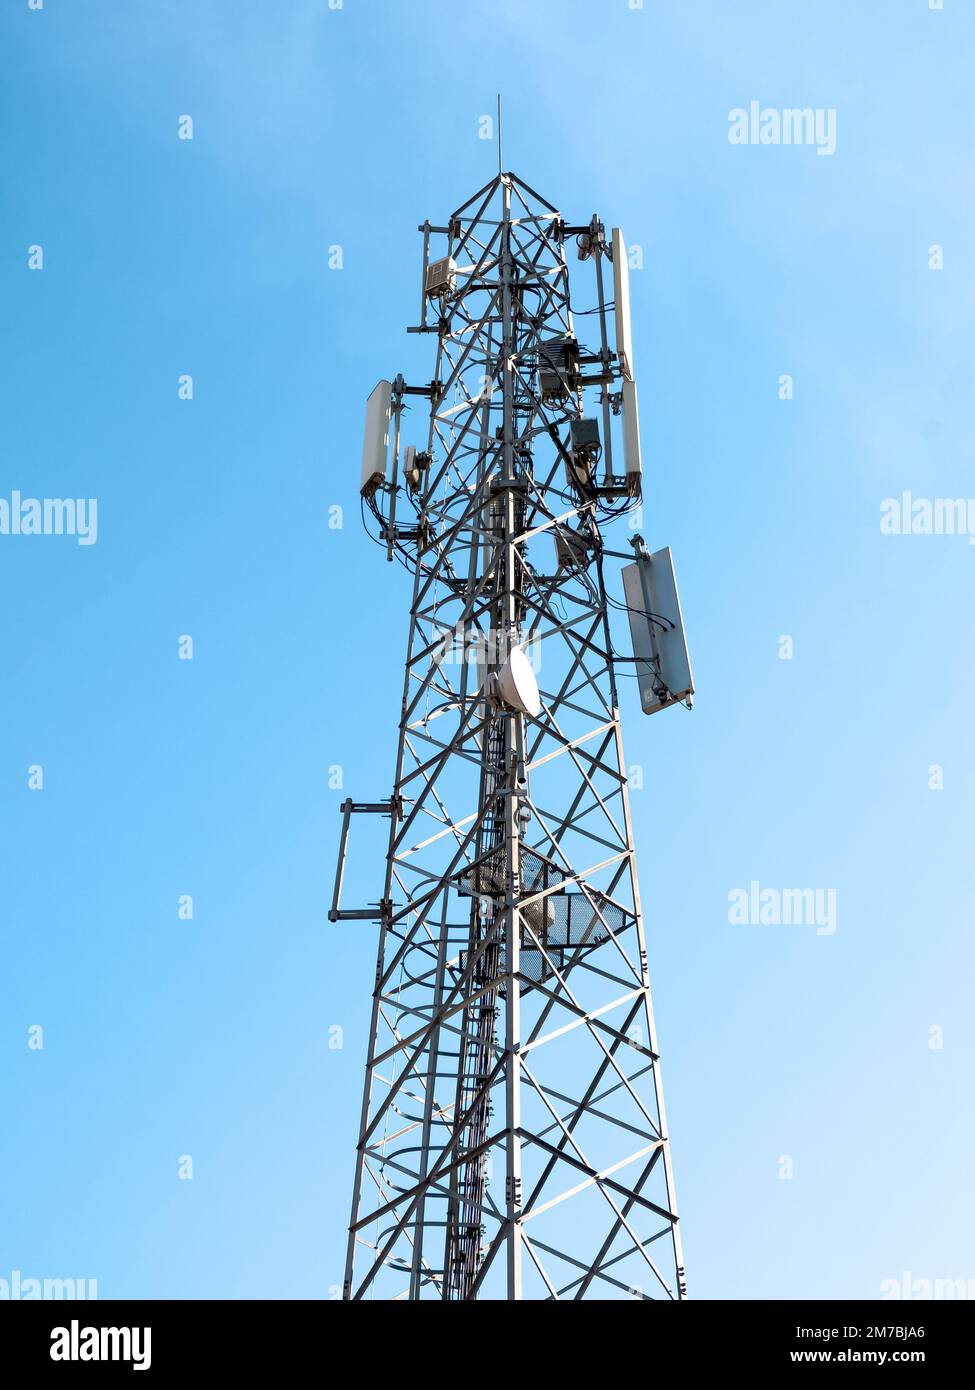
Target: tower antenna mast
[{"x": 513, "y": 1141}]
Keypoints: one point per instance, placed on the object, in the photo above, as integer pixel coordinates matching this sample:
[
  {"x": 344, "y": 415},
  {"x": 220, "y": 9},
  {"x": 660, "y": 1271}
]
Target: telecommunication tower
[{"x": 513, "y": 1140}]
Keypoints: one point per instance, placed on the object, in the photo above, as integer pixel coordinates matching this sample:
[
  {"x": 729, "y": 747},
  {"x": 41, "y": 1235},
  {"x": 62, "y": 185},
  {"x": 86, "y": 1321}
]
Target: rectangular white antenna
[
  {"x": 631, "y": 438},
  {"x": 621, "y": 293},
  {"x": 663, "y": 664},
  {"x": 375, "y": 447}
]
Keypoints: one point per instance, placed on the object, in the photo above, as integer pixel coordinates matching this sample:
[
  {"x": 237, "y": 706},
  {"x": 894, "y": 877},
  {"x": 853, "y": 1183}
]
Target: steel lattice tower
[{"x": 513, "y": 1137}]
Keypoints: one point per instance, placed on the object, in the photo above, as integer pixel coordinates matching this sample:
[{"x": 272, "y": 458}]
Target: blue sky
[{"x": 315, "y": 128}]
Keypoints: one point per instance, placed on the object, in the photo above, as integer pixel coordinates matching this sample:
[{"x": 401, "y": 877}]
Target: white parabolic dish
[{"x": 517, "y": 685}]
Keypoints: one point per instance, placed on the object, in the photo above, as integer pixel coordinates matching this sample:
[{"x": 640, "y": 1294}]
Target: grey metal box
[
  {"x": 558, "y": 367},
  {"x": 441, "y": 276}
]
